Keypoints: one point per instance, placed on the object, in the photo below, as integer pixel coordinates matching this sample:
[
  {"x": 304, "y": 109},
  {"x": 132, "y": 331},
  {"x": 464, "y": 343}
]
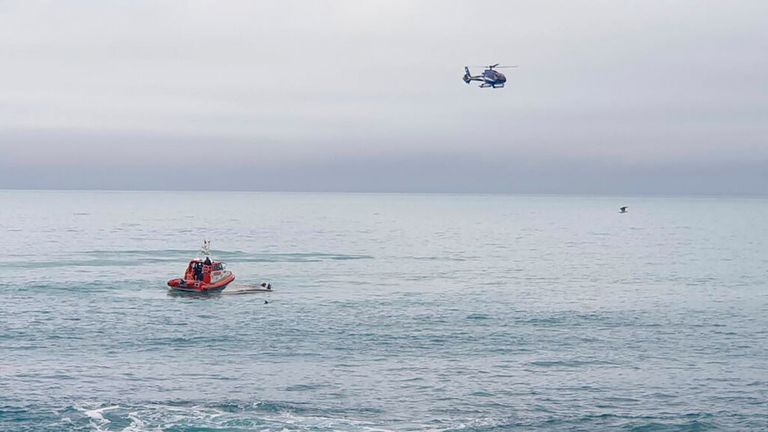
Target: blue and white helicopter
[{"x": 490, "y": 77}]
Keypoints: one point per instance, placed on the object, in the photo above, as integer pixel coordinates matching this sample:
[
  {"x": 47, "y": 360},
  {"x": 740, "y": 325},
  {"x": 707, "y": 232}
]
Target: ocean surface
[{"x": 390, "y": 312}]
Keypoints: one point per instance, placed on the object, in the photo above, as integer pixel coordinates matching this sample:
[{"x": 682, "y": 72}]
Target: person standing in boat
[
  {"x": 207, "y": 270},
  {"x": 199, "y": 271}
]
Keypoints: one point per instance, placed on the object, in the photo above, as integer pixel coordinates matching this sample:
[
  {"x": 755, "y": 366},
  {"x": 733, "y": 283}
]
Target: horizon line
[{"x": 400, "y": 192}]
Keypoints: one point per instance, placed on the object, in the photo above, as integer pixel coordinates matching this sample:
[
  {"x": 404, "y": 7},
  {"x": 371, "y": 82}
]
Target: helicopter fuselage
[{"x": 493, "y": 78}]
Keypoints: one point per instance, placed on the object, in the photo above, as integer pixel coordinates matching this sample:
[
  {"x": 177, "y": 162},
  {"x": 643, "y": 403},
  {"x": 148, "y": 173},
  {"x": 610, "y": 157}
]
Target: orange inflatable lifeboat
[{"x": 203, "y": 275}]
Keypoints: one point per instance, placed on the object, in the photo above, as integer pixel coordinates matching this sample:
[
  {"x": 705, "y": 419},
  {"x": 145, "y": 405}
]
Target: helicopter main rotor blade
[{"x": 496, "y": 66}]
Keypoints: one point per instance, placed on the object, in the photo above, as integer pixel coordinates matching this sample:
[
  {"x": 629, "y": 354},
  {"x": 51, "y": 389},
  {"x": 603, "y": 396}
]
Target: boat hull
[{"x": 189, "y": 285}]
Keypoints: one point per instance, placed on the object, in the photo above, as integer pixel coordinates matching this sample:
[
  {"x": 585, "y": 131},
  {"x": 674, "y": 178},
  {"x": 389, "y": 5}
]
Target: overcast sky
[{"x": 609, "y": 97}]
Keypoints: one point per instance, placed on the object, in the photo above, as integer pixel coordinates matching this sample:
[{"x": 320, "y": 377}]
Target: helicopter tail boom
[{"x": 468, "y": 76}]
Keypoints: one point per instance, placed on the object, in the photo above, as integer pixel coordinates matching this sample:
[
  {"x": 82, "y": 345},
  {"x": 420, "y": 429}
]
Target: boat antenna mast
[{"x": 205, "y": 250}]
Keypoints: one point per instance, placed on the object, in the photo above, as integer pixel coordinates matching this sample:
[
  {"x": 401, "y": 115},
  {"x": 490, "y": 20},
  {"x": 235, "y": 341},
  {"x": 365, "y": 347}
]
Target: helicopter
[{"x": 490, "y": 77}]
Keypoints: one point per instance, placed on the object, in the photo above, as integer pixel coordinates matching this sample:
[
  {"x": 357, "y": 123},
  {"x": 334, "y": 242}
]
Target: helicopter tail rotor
[{"x": 467, "y": 76}]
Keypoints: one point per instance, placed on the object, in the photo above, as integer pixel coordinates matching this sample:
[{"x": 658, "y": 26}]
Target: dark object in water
[{"x": 623, "y": 209}]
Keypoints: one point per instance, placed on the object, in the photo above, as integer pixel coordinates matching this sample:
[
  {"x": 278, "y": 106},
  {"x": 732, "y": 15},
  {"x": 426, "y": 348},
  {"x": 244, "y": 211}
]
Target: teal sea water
[{"x": 390, "y": 312}]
